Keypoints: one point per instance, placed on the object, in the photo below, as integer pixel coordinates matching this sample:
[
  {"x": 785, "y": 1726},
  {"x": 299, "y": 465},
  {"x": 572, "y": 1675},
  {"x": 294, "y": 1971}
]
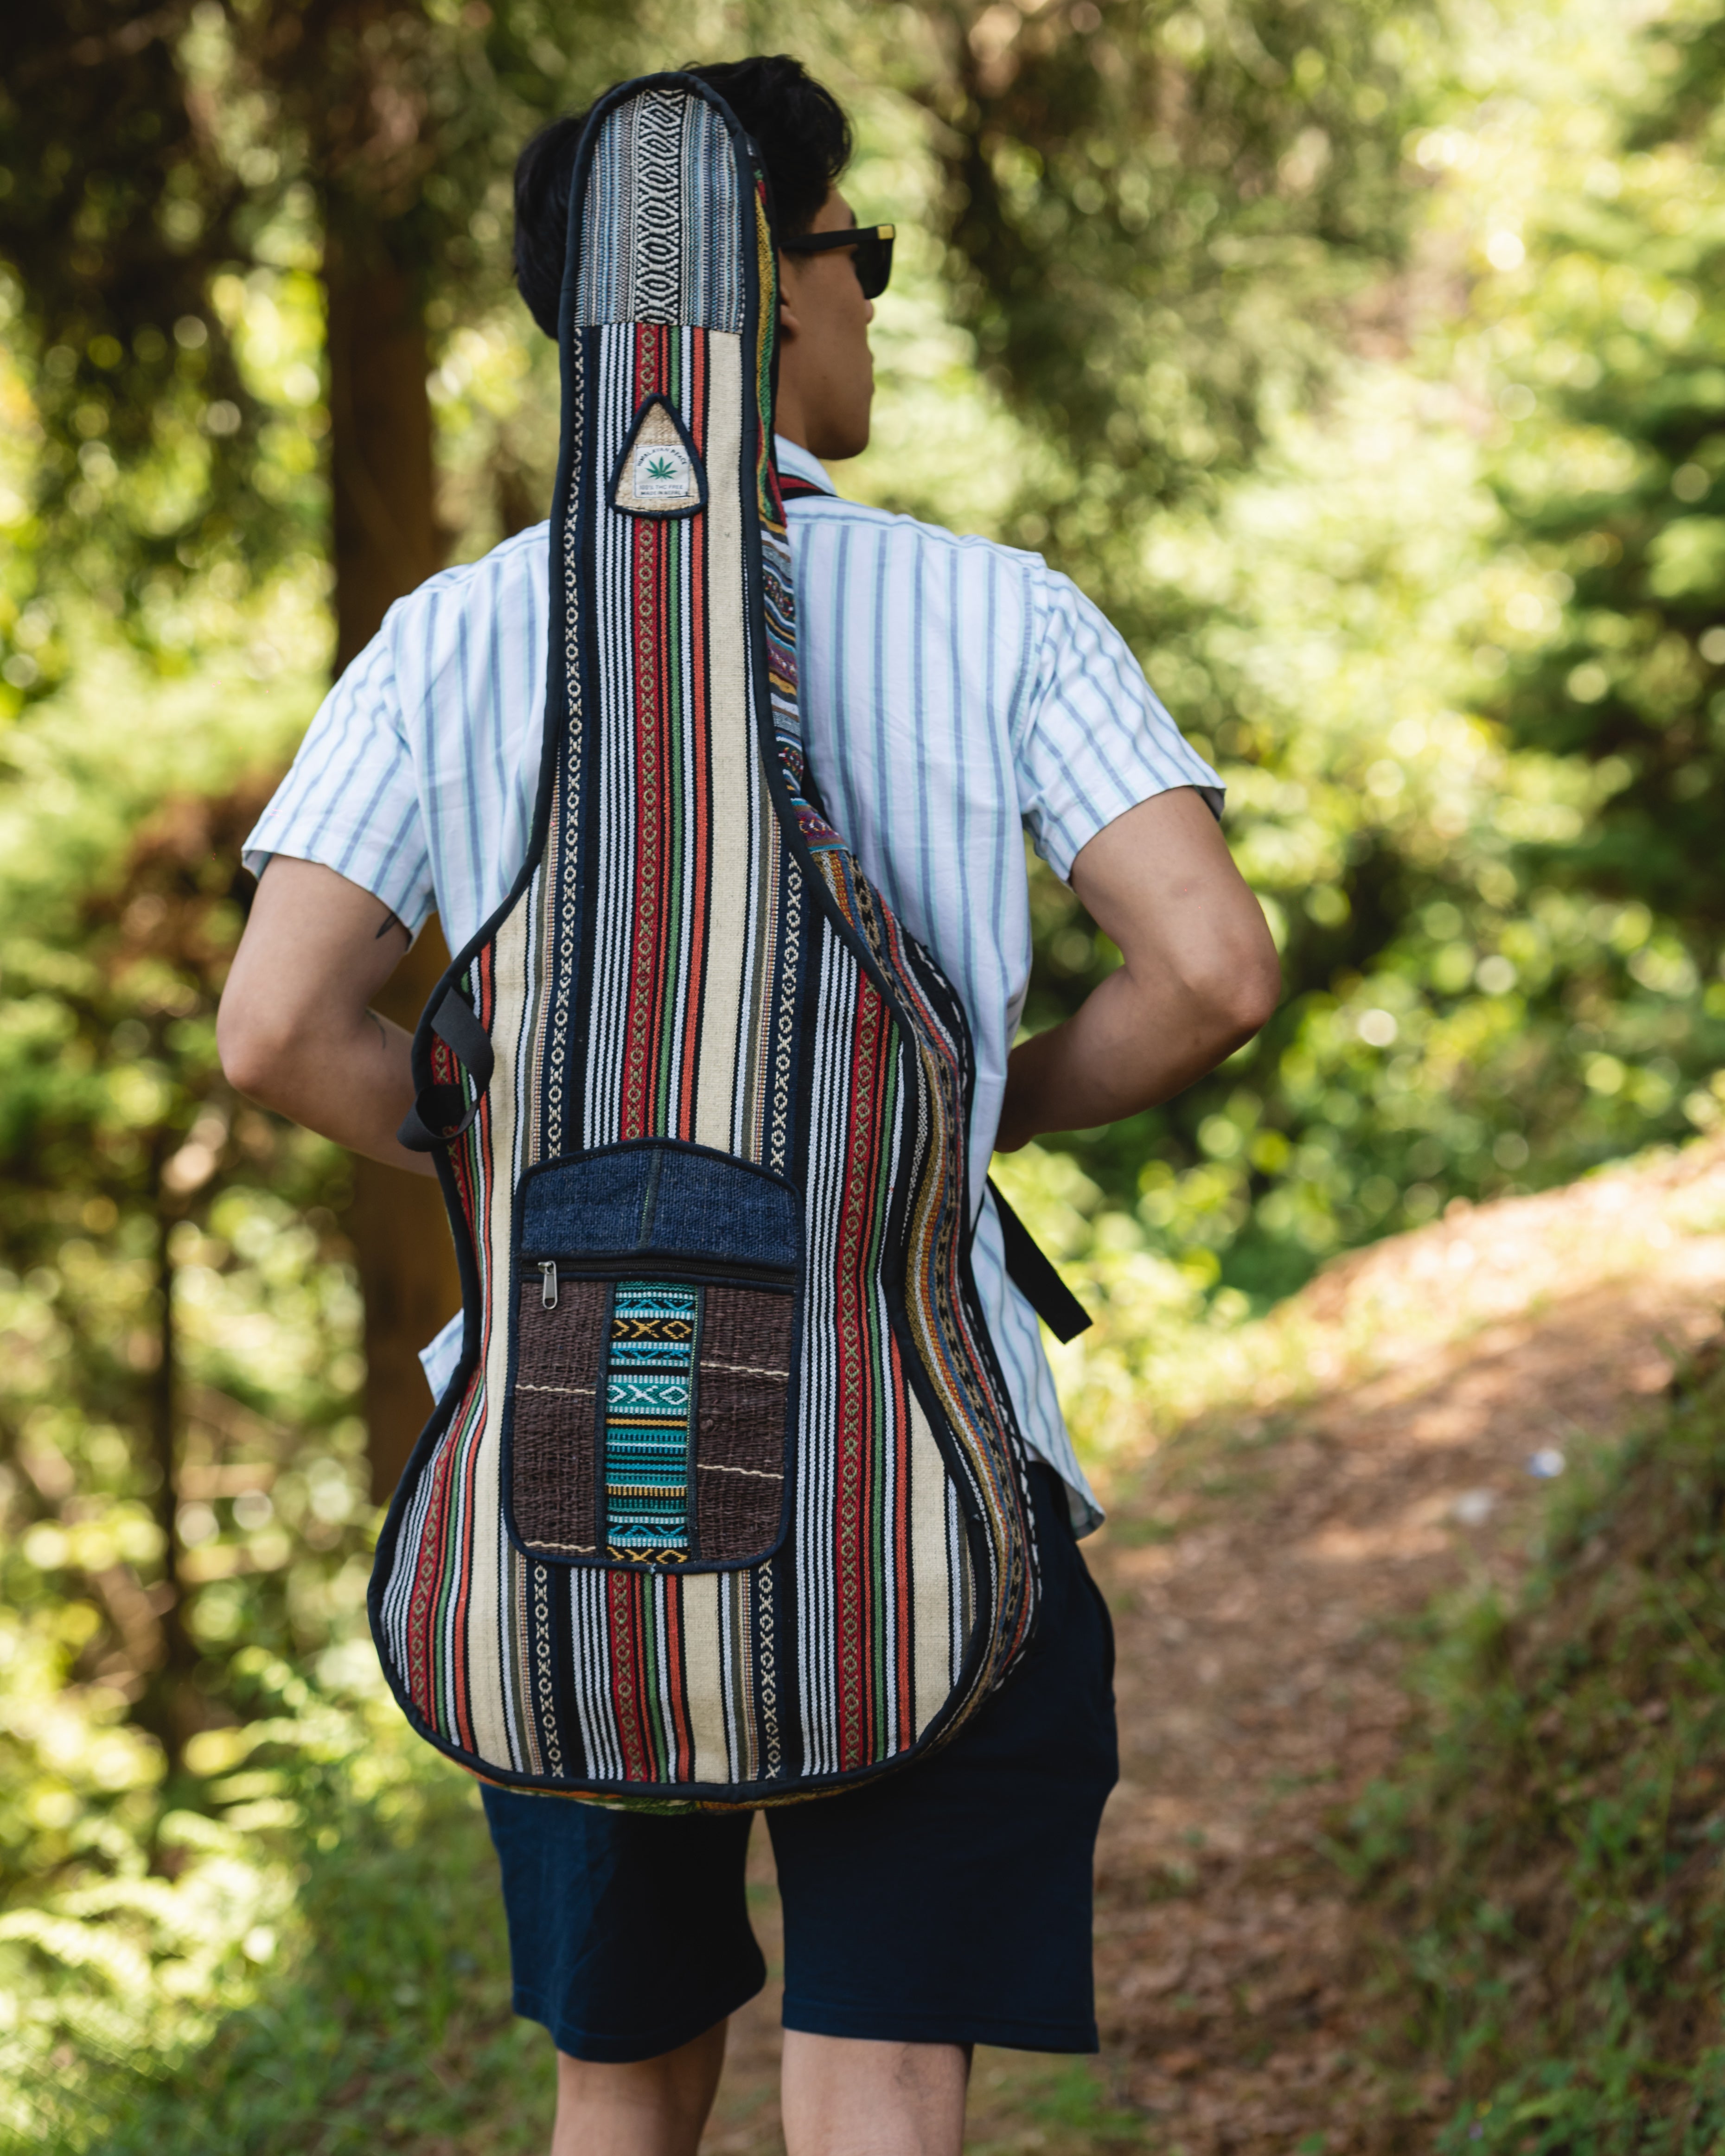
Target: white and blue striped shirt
[{"x": 953, "y": 691}]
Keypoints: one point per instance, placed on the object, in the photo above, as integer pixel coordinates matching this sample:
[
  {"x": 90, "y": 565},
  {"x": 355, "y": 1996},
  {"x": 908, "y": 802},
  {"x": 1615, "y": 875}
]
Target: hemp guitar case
[{"x": 725, "y": 1504}]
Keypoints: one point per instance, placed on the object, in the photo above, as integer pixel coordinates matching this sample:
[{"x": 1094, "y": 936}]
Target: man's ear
[{"x": 790, "y": 322}]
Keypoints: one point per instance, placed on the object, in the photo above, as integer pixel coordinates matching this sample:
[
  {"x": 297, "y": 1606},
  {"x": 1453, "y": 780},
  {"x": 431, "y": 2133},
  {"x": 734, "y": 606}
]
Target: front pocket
[{"x": 653, "y": 1392}]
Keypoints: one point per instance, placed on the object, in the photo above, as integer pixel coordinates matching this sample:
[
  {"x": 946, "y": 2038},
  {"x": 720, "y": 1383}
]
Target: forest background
[{"x": 1366, "y": 363}]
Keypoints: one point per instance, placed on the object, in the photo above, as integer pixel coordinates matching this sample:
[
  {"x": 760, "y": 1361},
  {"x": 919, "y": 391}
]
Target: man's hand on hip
[
  {"x": 1198, "y": 975},
  {"x": 295, "y": 1032}
]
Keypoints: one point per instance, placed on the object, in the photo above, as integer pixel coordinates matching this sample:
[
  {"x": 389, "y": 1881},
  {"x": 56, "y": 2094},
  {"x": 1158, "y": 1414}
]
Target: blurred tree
[
  {"x": 1323, "y": 599},
  {"x": 1165, "y": 226},
  {"x": 117, "y": 1123},
  {"x": 363, "y": 87},
  {"x": 182, "y": 1458},
  {"x": 117, "y": 203},
  {"x": 1171, "y": 240},
  {"x": 1156, "y": 214},
  {"x": 1612, "y": 336},
  {"x": 150, "y": 154}
]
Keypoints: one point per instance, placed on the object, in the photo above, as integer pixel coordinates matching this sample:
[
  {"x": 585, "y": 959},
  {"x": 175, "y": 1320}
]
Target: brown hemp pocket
[
  {"x": 557, "y": 1415},
  {"x": 742, "y": 1385}
]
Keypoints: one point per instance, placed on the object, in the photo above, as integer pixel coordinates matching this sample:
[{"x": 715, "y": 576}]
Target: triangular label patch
[{"x": 659, "y": 472}]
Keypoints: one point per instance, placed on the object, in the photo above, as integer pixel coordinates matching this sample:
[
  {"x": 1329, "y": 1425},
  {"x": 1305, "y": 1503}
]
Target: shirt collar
[{"x": 797, "y": 462}]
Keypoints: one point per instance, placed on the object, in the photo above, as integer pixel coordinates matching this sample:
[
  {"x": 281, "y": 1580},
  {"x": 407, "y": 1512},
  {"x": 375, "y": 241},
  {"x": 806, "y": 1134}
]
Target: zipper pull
[{"x": 548, "y": 1294}]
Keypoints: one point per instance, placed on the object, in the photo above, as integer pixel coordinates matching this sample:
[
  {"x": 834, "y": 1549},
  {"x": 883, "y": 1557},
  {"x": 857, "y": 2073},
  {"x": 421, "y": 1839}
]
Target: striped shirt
[{"x": 953, "y": 692}]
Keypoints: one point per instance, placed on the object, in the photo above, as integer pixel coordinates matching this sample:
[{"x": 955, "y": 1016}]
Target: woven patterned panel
[
  {"x": 661, "y": 239},
  {"x": 556, "y": 1416},
  {"x": 740, "y": 1436},
  {"x": 649, "y": 1393}
]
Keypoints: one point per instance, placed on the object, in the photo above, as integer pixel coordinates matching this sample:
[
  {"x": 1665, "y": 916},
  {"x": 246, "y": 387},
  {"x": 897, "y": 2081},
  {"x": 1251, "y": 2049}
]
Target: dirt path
[{"x": 1260, "y": 1571}]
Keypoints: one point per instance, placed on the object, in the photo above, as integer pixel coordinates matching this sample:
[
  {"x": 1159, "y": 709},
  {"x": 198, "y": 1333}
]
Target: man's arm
[
  {"x": 293, "y": 1031},
  {"x": 1198, "y": 975}
]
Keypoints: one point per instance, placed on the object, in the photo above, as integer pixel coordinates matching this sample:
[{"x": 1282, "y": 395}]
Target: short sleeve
[
  {"x": 1092, "y": 738},
  {"x": 350, "y": 801}
]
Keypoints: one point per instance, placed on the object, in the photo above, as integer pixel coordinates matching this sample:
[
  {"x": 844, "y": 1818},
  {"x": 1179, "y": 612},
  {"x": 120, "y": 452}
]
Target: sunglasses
[{"x": 873, "y": 252}]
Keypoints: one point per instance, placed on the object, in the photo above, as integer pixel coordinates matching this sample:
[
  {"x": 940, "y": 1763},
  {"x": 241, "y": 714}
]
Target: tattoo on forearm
[{"x": 391, "y": 921}]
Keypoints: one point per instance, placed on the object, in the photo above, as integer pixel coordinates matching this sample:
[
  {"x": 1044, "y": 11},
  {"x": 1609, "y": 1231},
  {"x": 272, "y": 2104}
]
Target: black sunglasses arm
[{"x": 817, "y": 243}]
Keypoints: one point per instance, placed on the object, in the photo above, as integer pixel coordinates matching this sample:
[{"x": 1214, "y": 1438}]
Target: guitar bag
[{"x": 725, "y": 1504}]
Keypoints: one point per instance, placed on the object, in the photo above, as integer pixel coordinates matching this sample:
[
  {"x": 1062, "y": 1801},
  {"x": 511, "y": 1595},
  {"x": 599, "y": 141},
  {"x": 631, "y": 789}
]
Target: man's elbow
[
  {"x": 1242, "y": 998},
  {"x": 256, "y": 1049}
]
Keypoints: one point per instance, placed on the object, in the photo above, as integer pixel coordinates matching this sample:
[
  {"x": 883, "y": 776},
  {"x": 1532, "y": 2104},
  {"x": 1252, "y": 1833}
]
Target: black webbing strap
[
  {"x": 440, "y": 1114},
  {"x": 800, "y": 490},
  {"x": 1031, "y": 1272}
]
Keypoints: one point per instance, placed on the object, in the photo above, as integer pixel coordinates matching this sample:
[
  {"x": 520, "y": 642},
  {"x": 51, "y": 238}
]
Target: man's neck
[{"x": 788, "y": 416}]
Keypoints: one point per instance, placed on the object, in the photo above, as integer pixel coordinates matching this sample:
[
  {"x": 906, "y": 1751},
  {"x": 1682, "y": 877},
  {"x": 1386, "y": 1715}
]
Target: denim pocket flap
[{"x": 663, "y": 1199}]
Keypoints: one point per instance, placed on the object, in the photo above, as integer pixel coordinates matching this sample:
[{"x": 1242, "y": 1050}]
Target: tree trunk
[
  {"x": 387, "y": 542},
  {"x": 386, "y": 538}
]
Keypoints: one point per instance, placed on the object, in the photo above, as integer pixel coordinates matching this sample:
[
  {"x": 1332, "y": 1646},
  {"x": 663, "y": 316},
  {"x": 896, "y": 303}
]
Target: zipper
[
  {"x": 650, "y": 1203},
  {"x": 631, "y": 1264}
]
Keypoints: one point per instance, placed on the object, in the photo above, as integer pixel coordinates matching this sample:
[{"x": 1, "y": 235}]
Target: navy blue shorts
[{"x": 948, "y": 1904}]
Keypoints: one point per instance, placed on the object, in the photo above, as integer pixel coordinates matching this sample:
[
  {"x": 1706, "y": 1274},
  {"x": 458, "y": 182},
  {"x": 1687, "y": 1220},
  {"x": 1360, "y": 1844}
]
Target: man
[{"x": 953, "y": 690}]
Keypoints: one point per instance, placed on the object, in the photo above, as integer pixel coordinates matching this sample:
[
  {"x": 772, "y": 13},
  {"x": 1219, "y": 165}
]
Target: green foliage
[
  {"x": 196, "y": 1765},
  {"x": 312, "y": 1958},
  {"x": 1460, "y": 1019},
  {"x": 179, "y": 1375},
  {"x": 1546, "y": 1855},
  {"x": 1607, "y": 331},
  {"x": 1481, "y": 995},
  {"x": 172, "y": 428},
  {"x": 173, "y": 185},
  {"x": 1153, "y": 211},
  {"x": 1364, "y": 368}
]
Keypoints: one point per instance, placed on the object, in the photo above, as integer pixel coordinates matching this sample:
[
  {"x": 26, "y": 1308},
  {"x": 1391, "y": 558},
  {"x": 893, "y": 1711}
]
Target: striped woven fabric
[{"x": 724, "y": 1504}]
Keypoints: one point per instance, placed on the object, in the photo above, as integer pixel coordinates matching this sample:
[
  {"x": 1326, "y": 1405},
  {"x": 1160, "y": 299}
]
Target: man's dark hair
[{"x": 799, "y": 125}]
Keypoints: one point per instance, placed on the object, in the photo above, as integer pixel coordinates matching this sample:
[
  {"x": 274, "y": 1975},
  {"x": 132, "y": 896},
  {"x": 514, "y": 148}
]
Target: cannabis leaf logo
[{"x": 659, "y": 466}]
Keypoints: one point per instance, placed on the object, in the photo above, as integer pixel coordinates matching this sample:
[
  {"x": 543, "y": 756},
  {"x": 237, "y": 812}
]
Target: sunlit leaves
[
  {"x": 121, "y": 1149},
  {"x": 1150, "y": 209},
  {"x": 1606, "y": 339}
]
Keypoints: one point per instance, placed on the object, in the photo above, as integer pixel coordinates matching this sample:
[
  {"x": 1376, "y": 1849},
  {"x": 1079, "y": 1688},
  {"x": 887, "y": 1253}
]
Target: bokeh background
[{"x": 1365, "y": 362}]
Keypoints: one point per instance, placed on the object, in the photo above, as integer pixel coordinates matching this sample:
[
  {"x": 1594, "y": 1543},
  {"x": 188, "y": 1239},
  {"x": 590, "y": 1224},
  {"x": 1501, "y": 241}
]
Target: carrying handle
[
  {"x": 1031, "y": 1271},
  {"x": 432, "y": 1121}
]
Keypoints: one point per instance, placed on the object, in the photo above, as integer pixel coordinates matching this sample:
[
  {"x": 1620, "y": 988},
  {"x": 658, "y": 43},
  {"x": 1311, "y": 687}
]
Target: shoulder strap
[
  {"x": 437, "y": 1116},
  {"x": 1031, "y": 1272},
  {"x": 1029, "y": 1266}
]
